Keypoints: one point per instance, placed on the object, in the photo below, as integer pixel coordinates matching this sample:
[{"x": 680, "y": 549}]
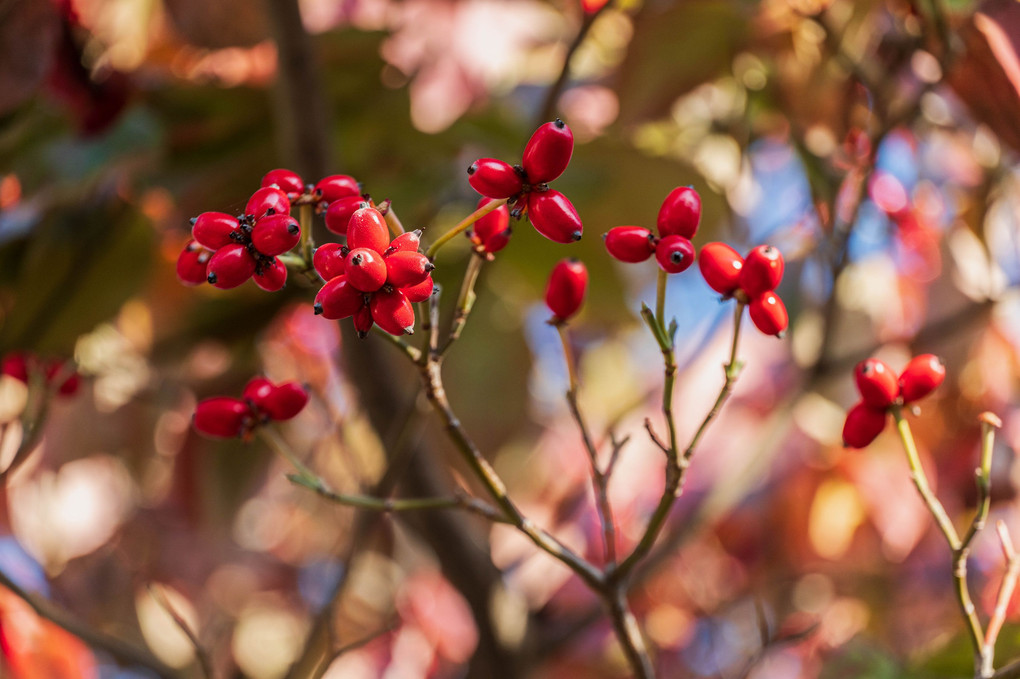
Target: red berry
[
  {"x": 877, "y": 383},
  {"x": 548, "y": 152},
  {"x": 71, "y": 383},
  {"x": 338, "y": 299},
  {"x": 680, "y": 213},
  {"x": 763, "y": 269},
  {"x": 365, "y": 269},
  {"x": 338, "y": 214},
  {"x": 282, "y": 401},
  {"x": 392, "y": 312},
  {"x": 554, "y": 216},
  {"x": 267, "y": 201},
  {"x": 335, "y": 187},
  {"x": 492, "y": 232},
  {"x": 230, "y": 266},
  {"x": 674, "y": 254},
  {"x": 420, "y": 292},
  {"x": 286, "y": 180},
  {"x": 213, "y": 229},
  {"x": 494, "y": 178},
  {"x": 367, "y": 229},
  {"x": 405, "y": 242},
  {"x": 568, "y": 284},
  {"x": 363, "y": 321},
  {"x": 328, "y": 260},
  {"x": 256, "y": 390},
  {"x": 769, "y": 314},
  {"x": 273, "y": 276},
  {"x": 192, "y": 264},
  {"x": 863, "y": 425},
  {"x": 720, "y": 265},
  {"x": 16, "y": 365},
  {"x": 222, "y": 417},
  {"x": 922, "y": 376},
  {"x": 275, "y": 234},
  {"x": 406, "y": 269},
  {"x": 629, "y": 243}
]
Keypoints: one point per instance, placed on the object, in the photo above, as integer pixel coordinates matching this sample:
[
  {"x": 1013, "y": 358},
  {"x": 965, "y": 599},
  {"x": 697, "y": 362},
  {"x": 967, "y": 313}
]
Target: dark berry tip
[
  {"x": 676, "y": 257},
  {"x": 409, "y": 330},
  {"x": 417, "y": 233},
  {"x": 362, "y": 334},
  {"x": 576, "y": 236},
  {"x": 293, "y": 228},
  {"x": 605, "y": 236},
  {"x": 429, "y": 266},
  {"x": 356, "y": 260},
  {"x": 781, "y": 334},
  {"x": 472, "y": 168},
  {"x": 270, "y": 211},
  {"x": 211, "y": 278},
  {"x": 559, "y": 123},
  {"x": 317, "y": 308},
  {"x": 193, "y": 220}
]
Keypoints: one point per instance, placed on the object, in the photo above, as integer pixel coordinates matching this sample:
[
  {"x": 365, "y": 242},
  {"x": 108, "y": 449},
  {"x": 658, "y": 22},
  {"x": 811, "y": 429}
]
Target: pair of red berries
[
  {"x": 372, "y": 278},
  {"x": 525, "y": 186},
  {"x": 338, "y": 196},
  {"x": 564, "y": 294},
  {"x": 20, "y": 364},
  {"x": 752, "y": 280},
  {"x": 677, "y": 223},
  {"x": 261, "y": 401},
  {"x": 881, "y": 388},
  {"x": 226, "y": 250}
]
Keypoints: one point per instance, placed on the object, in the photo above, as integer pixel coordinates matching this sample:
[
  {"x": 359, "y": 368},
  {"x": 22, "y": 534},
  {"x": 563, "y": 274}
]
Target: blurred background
[{"x": 874, "y": 142}]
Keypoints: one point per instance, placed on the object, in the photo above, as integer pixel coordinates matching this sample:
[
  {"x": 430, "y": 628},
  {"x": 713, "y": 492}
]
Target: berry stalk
[
  {"x": 465, "y": 301},
  {"x": 462, "y": 226}
]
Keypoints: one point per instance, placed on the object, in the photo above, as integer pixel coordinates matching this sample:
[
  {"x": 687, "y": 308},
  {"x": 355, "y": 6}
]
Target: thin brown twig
[
  {"x": 201, "y": 655},
  {"x": 1002, "y": 599}
]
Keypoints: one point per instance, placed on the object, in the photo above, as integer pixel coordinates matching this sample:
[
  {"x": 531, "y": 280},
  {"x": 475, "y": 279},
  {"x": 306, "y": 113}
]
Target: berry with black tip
[
  {"x": 392, "y": 311},
  {"x": 762, "y": 270},
  {"x": 494, "y": 178},
  {"x": 275, "y": 234},
  {"x": 568, "y": 284},
  {"x": 876, "y": 382},
  {"x": 922, "y": 376},
  {"x": 554, "y": 216},
  {"x": 674, "y": 254},
  {"x": 769, "y": 314},
  {"x": 230, "y": 266},
  {"x": 680, "y": 213},
  {"x": 548, "y": 152}
]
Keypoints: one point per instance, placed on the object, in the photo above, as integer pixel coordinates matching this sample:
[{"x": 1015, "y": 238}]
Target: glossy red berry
[
  {"x": 328, "y": 260},
  {"x": 72, "y": 380},
  {"x": 420, "y": 292},
  {"x": 405, "y": 269},
  {"x": 267, "y": 201},
  {"x": 213, "y": 230},
  {"x": 769, "y": 314},
  {"x": 367, "y": 229},
  {"x": 256, "y": 390},
  {"x": 762, "y": 271},
  {"x": 275, "y": 234},
  {"x": 674, "y": 254},
  {"x": 567, "y": 286},
  {"x": 554, "y": 216},
  {"x": 922, "y": 376},
  {"x": 629, "y": 243},
  {"x": 492, "y": 232},
  {"x": 282, "y": 401},
  {"x": 338, "y": 299},
  {"x": 363, "y": 321},
  {"x": 230, "y": 266},
  {"x": 192, "y": 264},
  {"x": 335, "y": 187},
  {"x": 222, "y": 417},
  {"x": 365, "y": 269},
  {"x": 863, "y": 425},
  {"x": 339, "y": 212},
  {"x": 405, "y": 242},
  {"x": 680, "y": 213},
  {"x": 273, "y": 276},
  {"x": 286, "y": 180},
  {"x": 548, "y": 152},
  {"x": 876, "y": 382},
  {"x": 392, "y": 312},
  {"x": 494, "y": 178},
  {"x": 721, "y": 265}
]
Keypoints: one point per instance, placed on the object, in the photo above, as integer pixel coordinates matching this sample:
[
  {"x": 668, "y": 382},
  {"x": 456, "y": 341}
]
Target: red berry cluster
[
  {"x": 491, "y": 233},
  {"x": 752, "y": 280},
  {"x": 677, "y": 223},
  {"x": 526, "y": 186},
  {"x": 880, "y": 389},
  {"x": 19, "y": 364},
  {"x": 372, "y": 278},
  {"x": 262, "y": 401},
  {"x": 568, "y": 283}
]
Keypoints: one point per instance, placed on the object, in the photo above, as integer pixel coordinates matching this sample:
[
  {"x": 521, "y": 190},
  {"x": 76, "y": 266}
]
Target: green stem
[
  {"x": 463, "y": 226},
  {"x": 392, "y": 220},
  {"x": 568, "y": 355},
  {"x": 306, "y": 245},
  {"x": 660, "y": 298},
  {"x": 465, "y": 301}
]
